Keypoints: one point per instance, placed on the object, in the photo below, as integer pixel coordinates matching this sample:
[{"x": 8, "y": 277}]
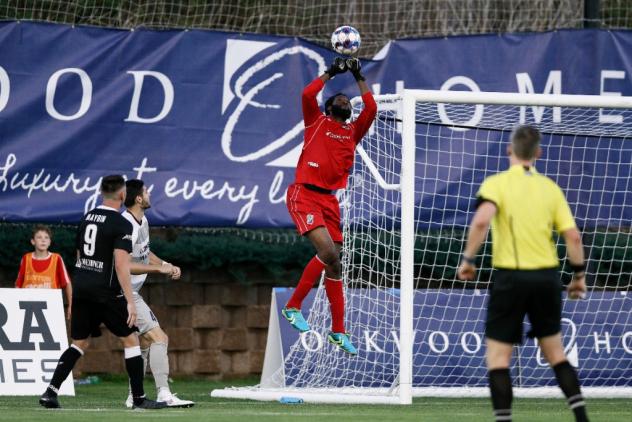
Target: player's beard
[
  {"x": 343, "y": 113},
  {"x": 145, "y": 205}
]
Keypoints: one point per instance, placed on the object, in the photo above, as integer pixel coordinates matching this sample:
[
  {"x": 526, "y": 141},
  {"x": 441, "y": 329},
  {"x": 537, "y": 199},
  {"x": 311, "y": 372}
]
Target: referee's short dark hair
[
  {"x": 112, "y": 184},
  {"x": 525, "y": 141},
  {"x": 134, "y": 189}
]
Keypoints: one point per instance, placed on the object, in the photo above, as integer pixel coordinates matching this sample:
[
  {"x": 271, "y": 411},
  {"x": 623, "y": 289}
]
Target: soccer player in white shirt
[{"x": 153, "y": 339}]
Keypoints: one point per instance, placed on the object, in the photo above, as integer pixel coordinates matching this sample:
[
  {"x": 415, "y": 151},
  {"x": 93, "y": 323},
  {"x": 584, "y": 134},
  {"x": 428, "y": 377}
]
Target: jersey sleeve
[
  {"x": 311, "y": 111},
  {"x": 135, "y": 228},
  {"x": 19, "y": 282},
  {"x": 62, "y": 275},
  {"x": 134, "y": 234},
  {"x": 366, "y": 117},
  {"x": 563, "y": 219},
  {"x": 489, "y": 191},
  {"x": 78, "y": 239},
  {"x": 123, "y": 235}
]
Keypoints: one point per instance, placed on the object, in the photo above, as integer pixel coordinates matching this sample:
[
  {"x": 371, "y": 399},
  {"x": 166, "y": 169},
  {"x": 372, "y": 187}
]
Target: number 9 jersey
[{"x": 101, "y": 230}]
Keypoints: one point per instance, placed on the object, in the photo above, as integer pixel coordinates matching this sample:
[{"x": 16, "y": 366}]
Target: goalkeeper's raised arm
[
  {"x": 327, "y": 157},
  {"x": 366, "y": 117}
]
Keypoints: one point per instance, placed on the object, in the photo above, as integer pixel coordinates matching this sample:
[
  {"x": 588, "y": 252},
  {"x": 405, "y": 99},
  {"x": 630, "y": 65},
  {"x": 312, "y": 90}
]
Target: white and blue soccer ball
[{"x": 345, "y": 40}]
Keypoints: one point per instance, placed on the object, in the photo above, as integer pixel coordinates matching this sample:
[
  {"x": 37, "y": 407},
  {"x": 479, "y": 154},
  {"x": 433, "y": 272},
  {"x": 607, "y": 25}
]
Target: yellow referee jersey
[{"x": 529, "y": 206}]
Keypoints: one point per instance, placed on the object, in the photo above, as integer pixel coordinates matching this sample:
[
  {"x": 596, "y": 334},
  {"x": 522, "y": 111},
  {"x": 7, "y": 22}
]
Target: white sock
[{"x": 159, "y": 365}]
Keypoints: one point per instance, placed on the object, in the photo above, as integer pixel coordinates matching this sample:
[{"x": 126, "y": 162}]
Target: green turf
[{"x": 104, "y": 402}]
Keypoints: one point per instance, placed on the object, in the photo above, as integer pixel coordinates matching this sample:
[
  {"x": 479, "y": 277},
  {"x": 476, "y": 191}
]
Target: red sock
[
  {"x": 336, "y": 304},
  {"x": 311, "y": 274}
]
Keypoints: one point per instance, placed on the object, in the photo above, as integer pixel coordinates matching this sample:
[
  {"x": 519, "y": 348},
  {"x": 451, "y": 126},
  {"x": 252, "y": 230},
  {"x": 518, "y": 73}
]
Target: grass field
[{"x": 104, "y": 402}]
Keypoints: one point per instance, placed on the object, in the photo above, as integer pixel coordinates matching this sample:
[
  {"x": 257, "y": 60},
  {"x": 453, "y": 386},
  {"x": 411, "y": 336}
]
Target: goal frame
[{"x": 403, "y": 392}]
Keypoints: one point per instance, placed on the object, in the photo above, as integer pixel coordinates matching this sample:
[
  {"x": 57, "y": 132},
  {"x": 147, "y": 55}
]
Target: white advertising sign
[{"x": 32, "y": 338}]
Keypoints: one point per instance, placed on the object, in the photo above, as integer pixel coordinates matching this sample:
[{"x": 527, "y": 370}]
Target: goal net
[
  {"x": 410, "y": 198},
  {"x": 378, "y": 21}
]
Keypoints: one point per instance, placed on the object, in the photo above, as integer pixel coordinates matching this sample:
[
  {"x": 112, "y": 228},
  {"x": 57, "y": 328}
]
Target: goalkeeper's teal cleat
[
  {"x": 343, "y": 341},
  {"x": 295, "y": 318}
]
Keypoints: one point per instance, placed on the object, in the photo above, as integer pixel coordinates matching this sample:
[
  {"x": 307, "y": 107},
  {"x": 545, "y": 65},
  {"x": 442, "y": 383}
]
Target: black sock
[
  {"x": 569, "y": 383},
  {"x": 65, "y": 364},
  {"x": 502, "y": 394},
  {"x": 134, "y": 368}
]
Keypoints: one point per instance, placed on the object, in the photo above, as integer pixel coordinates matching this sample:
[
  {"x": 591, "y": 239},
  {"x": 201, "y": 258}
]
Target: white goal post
[{"x": 405, "y": 213}]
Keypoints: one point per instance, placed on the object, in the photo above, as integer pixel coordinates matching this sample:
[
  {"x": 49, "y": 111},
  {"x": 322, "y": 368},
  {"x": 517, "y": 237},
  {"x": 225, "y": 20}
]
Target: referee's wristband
[
  {"x": 471, "y": 261},
  {"x": 578, "y": 268}
]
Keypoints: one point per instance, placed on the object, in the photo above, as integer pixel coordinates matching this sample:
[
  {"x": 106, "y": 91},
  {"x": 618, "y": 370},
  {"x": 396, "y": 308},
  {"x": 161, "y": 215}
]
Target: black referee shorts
[
  {"x": 88, "y": 315},
  {"x": 516, "y": 293}
]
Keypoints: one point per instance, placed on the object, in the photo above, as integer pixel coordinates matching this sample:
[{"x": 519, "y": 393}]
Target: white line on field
[{"x": 165, "y": 412}]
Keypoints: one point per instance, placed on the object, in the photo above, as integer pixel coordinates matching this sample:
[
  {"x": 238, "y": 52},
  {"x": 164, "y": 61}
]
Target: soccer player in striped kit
[
  {"x": 153, "y": 340},
  {"x": 329, "y": 147}
]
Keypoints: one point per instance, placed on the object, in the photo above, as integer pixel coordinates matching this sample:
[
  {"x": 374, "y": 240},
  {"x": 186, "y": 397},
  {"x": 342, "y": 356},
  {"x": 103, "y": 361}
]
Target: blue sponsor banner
[
  {"x": 212, "y": 120},
  {"x": 449, "y": 344}
]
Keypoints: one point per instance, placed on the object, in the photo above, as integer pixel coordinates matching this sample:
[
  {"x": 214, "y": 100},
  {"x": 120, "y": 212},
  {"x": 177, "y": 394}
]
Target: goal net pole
[
  {"x": 407, "y": 186},
  {"x": 514, "y": 99}
]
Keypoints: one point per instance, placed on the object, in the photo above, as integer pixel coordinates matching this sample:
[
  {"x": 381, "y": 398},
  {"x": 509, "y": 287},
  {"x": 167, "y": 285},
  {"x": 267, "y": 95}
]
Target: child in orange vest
[{"x": 42, "y": 269}]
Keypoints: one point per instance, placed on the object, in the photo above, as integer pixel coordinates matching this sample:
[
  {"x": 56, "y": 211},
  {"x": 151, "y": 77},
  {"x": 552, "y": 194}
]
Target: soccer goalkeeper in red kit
[{"x": 323, "y": 167}]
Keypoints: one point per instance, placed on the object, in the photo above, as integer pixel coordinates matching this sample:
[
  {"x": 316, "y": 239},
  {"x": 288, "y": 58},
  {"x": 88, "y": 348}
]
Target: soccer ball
[{"x": 345, "y": 40}]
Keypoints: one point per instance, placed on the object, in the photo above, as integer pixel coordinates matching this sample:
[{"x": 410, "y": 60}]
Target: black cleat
[
  {"x": 150, "y": 405},
  {"x": 49, "y": 401}
]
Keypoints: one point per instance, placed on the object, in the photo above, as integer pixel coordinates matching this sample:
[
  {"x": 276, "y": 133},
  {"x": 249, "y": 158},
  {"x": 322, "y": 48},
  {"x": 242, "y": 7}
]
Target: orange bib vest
[{"x": 46, "y": 279}]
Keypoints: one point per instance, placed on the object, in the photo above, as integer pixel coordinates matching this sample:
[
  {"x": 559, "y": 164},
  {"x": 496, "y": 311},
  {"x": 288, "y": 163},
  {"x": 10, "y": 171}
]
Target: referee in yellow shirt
[{"x": 524, "y": 207}]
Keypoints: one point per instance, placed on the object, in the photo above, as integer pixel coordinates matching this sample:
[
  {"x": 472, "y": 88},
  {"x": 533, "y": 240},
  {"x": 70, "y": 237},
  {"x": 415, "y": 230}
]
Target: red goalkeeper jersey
[{"x": 329, "y": 146}]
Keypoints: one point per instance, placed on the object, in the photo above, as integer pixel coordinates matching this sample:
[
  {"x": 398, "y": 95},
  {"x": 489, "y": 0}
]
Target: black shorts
[
  {"x": 516, "y": 293},
  {"x": 88, "y": 315}
]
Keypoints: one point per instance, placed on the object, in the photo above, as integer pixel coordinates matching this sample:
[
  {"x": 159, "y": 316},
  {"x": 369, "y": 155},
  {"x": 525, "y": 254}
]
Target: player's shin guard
[
  {"x": 159, "y": 363},
  {"x": 65, "y": 364},
  {"x": 134, "y": 367},
  {"x": 502, "y": 393},
  {"x": 569, "y": 383},
  {"x": 311, "y": 274},
  {"x": 336, "y": 298}
]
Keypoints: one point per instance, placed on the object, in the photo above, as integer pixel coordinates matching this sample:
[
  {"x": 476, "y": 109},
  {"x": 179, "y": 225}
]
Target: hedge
[{"x": 281, "y": 254}]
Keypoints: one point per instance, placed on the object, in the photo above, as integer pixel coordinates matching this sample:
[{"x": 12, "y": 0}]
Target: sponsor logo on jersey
[
  {"x": 312, "y": 164},
  {"x": 90, "y": 264},
  {"x": 338, "y": 137}
]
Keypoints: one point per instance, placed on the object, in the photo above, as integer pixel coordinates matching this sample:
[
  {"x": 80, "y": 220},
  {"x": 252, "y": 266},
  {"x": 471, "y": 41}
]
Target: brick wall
[
  {"x": 216, "y": 327},
  {"x": 216, "y": 330}
]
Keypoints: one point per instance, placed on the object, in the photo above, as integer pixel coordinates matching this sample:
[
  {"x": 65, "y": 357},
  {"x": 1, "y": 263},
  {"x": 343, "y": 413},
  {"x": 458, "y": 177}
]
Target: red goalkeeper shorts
[{"x": 310, "y": 209}]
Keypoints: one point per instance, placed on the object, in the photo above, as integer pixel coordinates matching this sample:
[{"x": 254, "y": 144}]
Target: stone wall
[{"x": 216, "y": 328}]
